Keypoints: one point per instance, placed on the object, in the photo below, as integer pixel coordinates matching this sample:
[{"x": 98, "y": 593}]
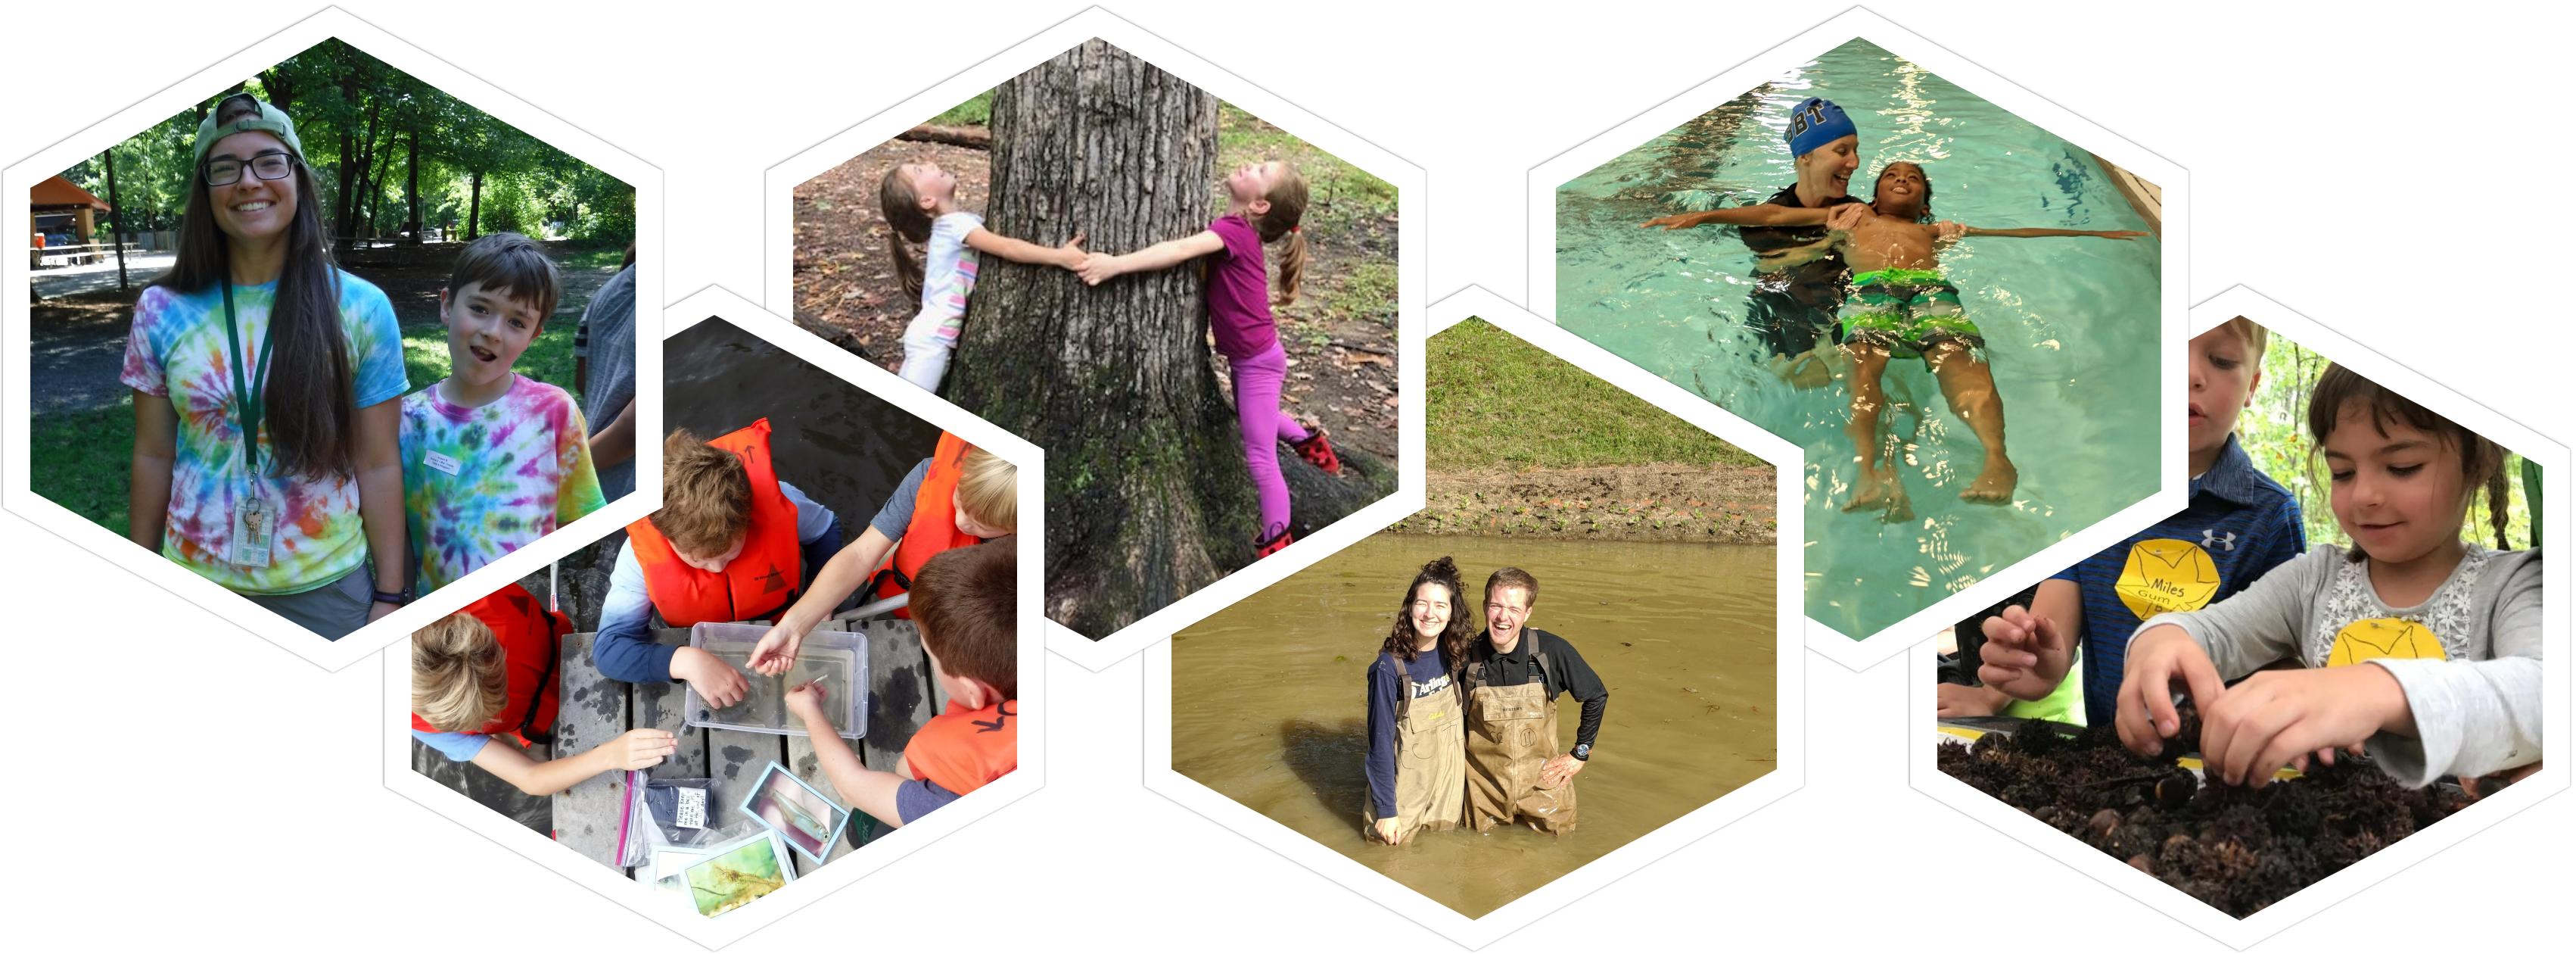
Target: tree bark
[
  {"x": 1148, "y": 499},
  {"x": 474, "y": 207},
  {"x": 411, "y": 166}
]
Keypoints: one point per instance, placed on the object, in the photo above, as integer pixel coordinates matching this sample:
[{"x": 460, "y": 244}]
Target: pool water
[{"x": 2072, "y": 325}]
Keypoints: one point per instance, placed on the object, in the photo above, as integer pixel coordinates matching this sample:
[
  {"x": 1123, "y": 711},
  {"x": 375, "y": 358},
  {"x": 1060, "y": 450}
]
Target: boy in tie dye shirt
[{"x": 491, "y": 459}]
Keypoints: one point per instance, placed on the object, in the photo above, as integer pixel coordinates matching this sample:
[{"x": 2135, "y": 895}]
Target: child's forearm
[
  {"x": 614, "y": 444},
  {"x": 2050, "y": 233},
  {"x": 867, "y": 790},
  {"x": 840, "y": 576},
  {"x": 1158, "y": 256},
  {"x": 533, "y": 777},
  {"x": 1022, "y": 251}
]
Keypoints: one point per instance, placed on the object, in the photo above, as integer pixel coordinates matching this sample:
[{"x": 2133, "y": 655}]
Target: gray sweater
[{"x": 2476, "y": 704}]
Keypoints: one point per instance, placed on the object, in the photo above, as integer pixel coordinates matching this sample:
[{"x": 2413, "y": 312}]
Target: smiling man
[{"x": 1512, "y": 676}]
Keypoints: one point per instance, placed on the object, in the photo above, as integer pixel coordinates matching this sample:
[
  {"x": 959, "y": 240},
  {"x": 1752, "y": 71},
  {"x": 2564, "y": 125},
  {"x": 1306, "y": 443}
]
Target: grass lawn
[{"x": 1498, "y": 401}]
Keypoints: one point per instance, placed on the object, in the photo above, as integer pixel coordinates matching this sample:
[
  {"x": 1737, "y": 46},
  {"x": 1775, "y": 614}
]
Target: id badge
[{"x": 254, "y": 527}]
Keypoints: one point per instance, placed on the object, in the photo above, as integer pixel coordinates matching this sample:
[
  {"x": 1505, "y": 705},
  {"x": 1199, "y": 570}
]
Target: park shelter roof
[{"x": 60, "y": 193}]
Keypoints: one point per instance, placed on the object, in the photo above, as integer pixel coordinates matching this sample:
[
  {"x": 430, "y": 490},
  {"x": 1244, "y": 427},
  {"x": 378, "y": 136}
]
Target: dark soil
[
  {"x": 2237, "y": 849},
  {"x": 1657, "y": 503},
  {"x": 1341, "y": 367}
]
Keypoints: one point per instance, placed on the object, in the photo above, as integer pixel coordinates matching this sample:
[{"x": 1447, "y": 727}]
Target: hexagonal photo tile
[
  {"x": 1953, "y": 295},
  {"x": 2340, "y": 645},
  {"x": 1583, "y": 653},
  {"x": 1190, "y": 292},
  {"x": 632, "y": 704},
  {"x": 480, "y": 256}
]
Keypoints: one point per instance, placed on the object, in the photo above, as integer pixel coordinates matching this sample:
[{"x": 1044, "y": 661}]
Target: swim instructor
[{"x": 1798, "y": 276}]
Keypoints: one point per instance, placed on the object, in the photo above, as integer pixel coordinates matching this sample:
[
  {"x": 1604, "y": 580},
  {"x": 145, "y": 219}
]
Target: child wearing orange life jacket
[
  {"x": 731, "y": 543},
  {"x": 965, "y": 602},
  {"x": 490, "y": 670},
  {"x": 958, "y": 496}
]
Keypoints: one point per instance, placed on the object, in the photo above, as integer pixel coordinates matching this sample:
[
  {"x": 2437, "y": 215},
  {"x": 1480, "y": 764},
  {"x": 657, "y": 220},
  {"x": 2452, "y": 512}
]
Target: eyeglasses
[{"x": 266, "y": 165}]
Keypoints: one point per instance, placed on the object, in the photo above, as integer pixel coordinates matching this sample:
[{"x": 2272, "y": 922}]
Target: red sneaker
[
  {"x": 1317, "y": 449},
  {"x": 1274, "y": 544}
]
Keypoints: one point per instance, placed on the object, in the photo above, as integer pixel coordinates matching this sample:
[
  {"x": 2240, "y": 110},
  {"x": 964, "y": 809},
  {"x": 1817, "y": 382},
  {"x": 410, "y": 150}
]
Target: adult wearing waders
[
  {"x": 1417, "y": 752},
  {"x": 266, "y": 383},
  {"x": 1511, "y": 678},
  {"x": 1798, "y": 276}
]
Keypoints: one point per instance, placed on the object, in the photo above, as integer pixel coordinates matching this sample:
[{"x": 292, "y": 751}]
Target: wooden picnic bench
[{"x": 595, "y": 709}]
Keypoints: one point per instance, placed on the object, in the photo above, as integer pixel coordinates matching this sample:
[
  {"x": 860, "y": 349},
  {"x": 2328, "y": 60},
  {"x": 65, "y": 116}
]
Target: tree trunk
[
  {"x": 411, "y": 166},
  {"x": 474, "y": 207},
  {"x": 115, "y": 219},
  {"x": 1148, "y": 499}
]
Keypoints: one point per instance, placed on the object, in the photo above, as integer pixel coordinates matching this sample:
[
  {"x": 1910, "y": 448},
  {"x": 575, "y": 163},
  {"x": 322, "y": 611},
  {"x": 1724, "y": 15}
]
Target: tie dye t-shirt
[
  {"x": 177, "y": 350},
  {"x": 480, "y": 482}
]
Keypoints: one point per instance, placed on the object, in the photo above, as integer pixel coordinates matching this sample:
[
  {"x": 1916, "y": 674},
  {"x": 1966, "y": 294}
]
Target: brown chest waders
[
  {"x": 1511, "y": 732},
  {"x": 1430, "y": 765}
]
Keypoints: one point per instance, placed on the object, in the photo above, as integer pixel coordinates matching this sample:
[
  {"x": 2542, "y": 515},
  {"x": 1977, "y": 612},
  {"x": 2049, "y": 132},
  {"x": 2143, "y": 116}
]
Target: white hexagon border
[
  {"x": 1927, "y": 777},
  {"x": 1860, "y": 23},
  {"x": 1412, "y": 269},
  {"x": 716, "y": 304},
  {"x": 16, "y": 491},
  {"x": 1787, "y": 775}
]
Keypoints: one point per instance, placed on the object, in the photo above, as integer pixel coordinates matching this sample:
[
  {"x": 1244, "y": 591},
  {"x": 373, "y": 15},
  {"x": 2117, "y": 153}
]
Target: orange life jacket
[
  {"x": 933, "y": 529},
  {"x": 531, "y": 639},
  {"x": 960, "y": 750},
  {"x": 761, "y": 580}
]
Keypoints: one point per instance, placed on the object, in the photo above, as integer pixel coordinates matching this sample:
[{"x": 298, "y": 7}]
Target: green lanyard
[{"x": 251, "y": 402}]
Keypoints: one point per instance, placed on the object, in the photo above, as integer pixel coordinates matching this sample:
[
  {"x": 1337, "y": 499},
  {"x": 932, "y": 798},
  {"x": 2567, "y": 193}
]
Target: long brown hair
[
  {"x": 2481, "y": 460},
  {"x": 1287, "y": 210},
  {"x": 309, "y": 418},
  {"x": 904, "y": 221},
  {"x": 1453, "y": 640}
]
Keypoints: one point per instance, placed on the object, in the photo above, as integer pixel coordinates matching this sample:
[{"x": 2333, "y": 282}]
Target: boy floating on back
[{"x": 1899, "y": 305}]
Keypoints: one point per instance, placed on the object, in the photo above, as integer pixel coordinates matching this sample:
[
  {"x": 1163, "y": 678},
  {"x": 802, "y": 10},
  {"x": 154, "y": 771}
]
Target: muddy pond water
[{"x": 1268, "y": 697}]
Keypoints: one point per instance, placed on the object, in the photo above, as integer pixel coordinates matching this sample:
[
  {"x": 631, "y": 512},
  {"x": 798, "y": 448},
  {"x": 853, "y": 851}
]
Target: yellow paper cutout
[
  {"x": 2384, "y": 638},
  {"x": 2166, "y": 576}
]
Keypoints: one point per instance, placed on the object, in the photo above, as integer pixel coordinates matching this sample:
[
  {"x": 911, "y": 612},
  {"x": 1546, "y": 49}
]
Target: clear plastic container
[{"x": 839, "y": 659}]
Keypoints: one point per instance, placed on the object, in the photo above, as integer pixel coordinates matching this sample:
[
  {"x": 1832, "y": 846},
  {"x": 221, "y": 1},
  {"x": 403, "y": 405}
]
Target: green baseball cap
[{"x": 268, "y": 119}]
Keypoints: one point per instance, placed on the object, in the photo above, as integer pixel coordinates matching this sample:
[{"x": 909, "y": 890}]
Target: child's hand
[
  {"x": 1389, "y": 831},
  {"x": 1952, "y": 700},
  {"x": 806, "y": 702},
  {"x": 776, "y": 650},
  {"x": 1669, "y": 223},
  {"x": 639, "y": 749},
  {"x": 1070, "y": 254},
  {"x": 716, "y": 681},
  {"x": 2275, "y": 719},
  {"x": 1949, "y": 231},
  {"x": 1097, "y": 268},
  {"x": 2010, "y": 658},
  {"x": 2159, "y": 658}
]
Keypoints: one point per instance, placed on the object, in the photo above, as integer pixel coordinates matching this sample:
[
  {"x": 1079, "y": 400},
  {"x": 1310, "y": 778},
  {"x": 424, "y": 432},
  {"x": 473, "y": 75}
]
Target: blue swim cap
[{"x": 1815, "y": 122}]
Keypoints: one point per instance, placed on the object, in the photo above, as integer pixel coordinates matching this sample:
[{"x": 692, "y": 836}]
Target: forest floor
[
  {"x": 1340, "y": 335},
  {"x": 81, "y": 436}
]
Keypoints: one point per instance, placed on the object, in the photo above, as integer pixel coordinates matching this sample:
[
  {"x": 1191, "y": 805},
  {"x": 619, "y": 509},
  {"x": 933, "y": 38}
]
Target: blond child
[
  {"x": 920, "y": 203},
  {"x": 488, "y": 670}
]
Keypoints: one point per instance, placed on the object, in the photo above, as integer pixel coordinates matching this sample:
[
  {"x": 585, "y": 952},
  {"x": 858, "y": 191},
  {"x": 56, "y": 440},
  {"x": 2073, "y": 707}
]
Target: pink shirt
[{"x": 1238, "y": 292}]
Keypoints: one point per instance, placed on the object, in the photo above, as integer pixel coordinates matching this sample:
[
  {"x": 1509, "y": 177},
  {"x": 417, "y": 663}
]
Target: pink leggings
[{"x": 1256, "y": 405}]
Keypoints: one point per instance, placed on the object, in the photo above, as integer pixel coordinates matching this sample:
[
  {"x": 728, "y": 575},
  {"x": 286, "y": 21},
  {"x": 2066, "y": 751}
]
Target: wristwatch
[
  {"x": 1582, "y": 753},
  {"x": 401, "y": 597}
]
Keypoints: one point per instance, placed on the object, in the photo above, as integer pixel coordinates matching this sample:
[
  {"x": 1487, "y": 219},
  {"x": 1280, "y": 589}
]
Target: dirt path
[
  {"x": 1652, "y": 503},
  {"x": 1341, "y": 368},
  {"x": 77, "y": 341}
]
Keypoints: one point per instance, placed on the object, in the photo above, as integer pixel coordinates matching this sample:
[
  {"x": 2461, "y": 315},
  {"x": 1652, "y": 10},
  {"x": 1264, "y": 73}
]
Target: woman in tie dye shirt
[
  {"x": 492, "y": 460},
  {"x": 295, "y": 517}
]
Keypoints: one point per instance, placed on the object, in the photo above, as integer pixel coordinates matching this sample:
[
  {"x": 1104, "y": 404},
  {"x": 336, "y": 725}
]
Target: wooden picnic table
[{"x": 595, "y": 709}]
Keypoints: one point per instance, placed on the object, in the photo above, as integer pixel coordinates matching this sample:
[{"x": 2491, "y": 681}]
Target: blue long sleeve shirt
[{"x": 624, "y": 649}]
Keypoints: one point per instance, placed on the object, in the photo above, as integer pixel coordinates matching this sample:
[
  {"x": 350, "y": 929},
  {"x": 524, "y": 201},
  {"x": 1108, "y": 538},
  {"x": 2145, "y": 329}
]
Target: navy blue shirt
[
  {"x": 1385, "y": 692},
  {"x": 2240, "y": 524}
]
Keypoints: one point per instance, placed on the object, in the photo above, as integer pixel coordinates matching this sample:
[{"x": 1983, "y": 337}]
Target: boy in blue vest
[{"x": 2239, "y": 524}]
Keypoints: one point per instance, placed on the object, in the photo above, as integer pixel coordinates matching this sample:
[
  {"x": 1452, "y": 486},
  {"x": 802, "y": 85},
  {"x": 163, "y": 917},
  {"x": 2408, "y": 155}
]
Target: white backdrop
[{"x": 177, "y": 781}]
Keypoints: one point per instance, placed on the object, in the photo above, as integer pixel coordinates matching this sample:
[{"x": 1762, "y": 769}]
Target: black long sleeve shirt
[{"x": 1564, "y": 671}]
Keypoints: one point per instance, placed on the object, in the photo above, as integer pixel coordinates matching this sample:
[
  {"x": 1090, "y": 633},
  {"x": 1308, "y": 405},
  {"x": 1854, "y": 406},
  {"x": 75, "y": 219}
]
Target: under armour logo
[
  {"x": 1002, "y": 717},
  {"x": 2209, "y": 538}
]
